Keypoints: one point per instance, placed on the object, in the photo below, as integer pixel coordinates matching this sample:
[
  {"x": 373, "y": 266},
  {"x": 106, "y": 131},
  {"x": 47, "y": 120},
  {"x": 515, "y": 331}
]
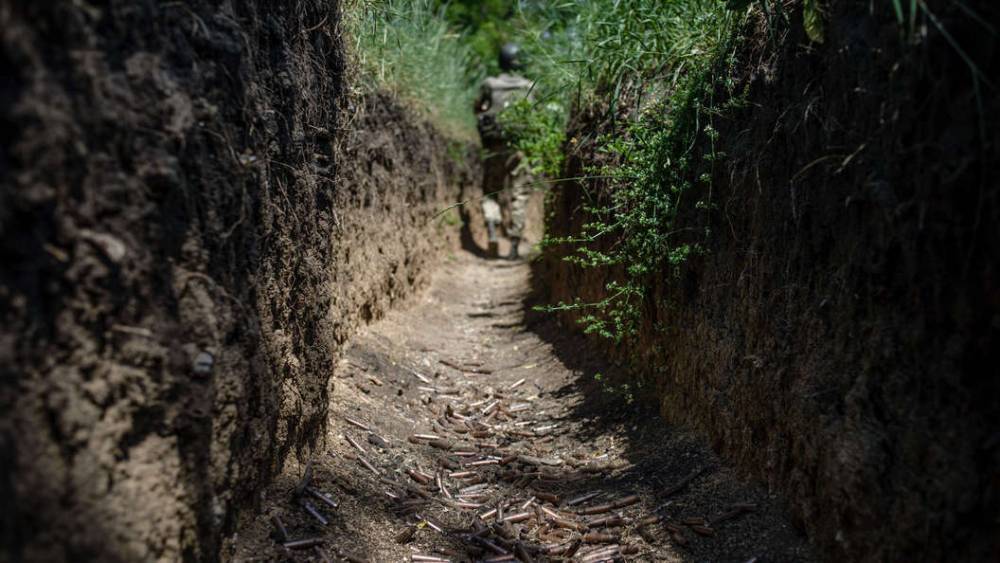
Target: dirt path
[{"x": 517, "y": 427}]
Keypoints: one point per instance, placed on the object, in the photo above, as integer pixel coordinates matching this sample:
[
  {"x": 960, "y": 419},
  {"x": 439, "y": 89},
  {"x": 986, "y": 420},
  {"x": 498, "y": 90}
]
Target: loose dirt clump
[{"x": 464, "y": 429}]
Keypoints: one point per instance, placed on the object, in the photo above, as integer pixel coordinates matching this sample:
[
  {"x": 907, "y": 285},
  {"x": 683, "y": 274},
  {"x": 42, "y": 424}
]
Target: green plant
[
  {"x": 622, "y": 391},
  {"x": 538, "y": 131},
  {"x": 485, "y": 26},
  {"x": 592, "y": 50},
  {"x": 407, "y": 48},
  {"x": 674, "y": 55},
  {"x": 812, "y": 19},
  {"x": 448, "y": 219}
]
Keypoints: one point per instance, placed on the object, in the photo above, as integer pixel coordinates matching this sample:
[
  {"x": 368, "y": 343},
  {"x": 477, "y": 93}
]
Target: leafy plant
[
  {"x": 676, "y": 47},
  {"x": 538, "y": 131},
  {"x": 406, "y": 47},
  {"x": 812, "y": 18}
]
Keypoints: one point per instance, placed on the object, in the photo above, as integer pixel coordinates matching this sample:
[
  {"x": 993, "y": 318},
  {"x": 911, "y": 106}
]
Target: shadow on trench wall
[{"x": 837, "y": 337}]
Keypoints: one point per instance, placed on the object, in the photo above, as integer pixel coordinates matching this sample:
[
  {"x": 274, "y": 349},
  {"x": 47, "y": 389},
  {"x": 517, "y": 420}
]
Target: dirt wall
[
  {"x": 838, "y": 336},
  {"x": 193, "y": 217}
]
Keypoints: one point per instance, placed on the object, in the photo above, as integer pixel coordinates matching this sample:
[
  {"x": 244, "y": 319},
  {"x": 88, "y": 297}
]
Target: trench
[
  {"x": 464, "y": 426},
  {"x": 244, "y": 315}
]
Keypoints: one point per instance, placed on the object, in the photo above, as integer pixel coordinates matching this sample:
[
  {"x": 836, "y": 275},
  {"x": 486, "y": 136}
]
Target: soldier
[{"x": 505, "y": 172}]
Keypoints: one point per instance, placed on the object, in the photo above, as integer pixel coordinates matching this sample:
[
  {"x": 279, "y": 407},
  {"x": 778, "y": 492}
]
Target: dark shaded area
[
  {"x": 192, "y": 218},
  {"x": 469, "y": 243},
  {"x": 472, "y": 235},
  {"x": 668, "y": 464},
  {"x": 837, "y": 337}
]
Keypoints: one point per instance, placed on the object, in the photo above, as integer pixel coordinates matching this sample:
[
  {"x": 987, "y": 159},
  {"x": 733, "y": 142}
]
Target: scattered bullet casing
[{"x": 304, "y": 544}]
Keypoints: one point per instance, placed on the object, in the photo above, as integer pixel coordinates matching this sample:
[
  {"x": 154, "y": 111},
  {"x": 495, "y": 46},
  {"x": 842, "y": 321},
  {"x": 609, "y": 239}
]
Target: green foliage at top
[
  {"x": 408, "y": 48},
  {"x": 485, "y": 24},
  {"x": 671, "y": 54},
  {"x": 590, "y": 49}
]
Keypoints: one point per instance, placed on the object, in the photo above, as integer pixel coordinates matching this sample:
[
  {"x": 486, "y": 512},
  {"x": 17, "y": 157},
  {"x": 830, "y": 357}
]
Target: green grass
[
  {"x": 587, "y": 49},
  {"x": 407, "y": 48},
  {"x": 667, "y": 56}
]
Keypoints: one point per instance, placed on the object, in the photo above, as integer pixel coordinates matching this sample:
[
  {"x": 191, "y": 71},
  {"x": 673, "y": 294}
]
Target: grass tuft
[{"x": 406, "y": 47}]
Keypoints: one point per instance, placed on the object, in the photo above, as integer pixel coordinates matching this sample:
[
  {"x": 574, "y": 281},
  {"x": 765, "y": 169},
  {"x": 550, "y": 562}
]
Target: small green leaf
[{"x": 812, "y": 17}]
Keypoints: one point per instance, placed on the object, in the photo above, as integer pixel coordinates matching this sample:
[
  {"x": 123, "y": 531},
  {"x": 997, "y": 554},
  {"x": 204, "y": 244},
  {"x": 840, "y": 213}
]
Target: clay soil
[{"x": 525, "y": 428}]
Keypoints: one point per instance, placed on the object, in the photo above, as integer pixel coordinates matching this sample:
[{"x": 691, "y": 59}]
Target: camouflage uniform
[{"x": 505, "y": 173}]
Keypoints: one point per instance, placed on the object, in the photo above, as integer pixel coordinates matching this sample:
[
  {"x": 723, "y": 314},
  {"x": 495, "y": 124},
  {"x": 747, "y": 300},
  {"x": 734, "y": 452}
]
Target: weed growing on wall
[
  {"x": 673, "y": 52},
  {"x": 406, "y": 47}
]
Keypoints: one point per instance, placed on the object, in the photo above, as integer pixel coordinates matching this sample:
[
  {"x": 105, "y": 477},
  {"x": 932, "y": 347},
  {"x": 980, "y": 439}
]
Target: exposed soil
[
  {"x": 467, "y": 364},
  {"x": 836, "y": 335},
  {"x": 193, "y": 217},
  {"x": 196, "y": 221}
]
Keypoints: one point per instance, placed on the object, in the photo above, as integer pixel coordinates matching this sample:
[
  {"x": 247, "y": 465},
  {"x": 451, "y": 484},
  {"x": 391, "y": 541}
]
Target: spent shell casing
[
  {"x": 304, "y": 543},
  {"x": 597, "y": 537}
]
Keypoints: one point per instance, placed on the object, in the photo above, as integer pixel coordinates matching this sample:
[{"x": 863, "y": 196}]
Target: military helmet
[{"x": 510, "y": 57}]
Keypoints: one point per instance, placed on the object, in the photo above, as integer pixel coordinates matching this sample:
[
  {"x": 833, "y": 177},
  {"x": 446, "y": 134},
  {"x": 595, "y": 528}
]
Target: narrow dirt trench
[{"x": 466, "y": 428}]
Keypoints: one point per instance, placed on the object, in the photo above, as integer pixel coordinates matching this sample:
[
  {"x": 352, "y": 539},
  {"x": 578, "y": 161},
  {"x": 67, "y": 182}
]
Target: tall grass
[
  {"x": 586, "y": 54},
  {"x": 592, "y": 48},
  {"x": 670, "y": 54},
  {"x": 405, "y": 47}
]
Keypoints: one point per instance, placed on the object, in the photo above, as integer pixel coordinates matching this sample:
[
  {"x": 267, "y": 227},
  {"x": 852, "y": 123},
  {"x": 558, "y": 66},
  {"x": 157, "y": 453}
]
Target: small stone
[
  {"x": 203, "y": 363},
  {"x": 110, "y": 245}
]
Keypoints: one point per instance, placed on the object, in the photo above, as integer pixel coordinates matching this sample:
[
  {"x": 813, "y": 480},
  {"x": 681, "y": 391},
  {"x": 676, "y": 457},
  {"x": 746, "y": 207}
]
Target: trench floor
[{"x": 465, "y": 427}]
